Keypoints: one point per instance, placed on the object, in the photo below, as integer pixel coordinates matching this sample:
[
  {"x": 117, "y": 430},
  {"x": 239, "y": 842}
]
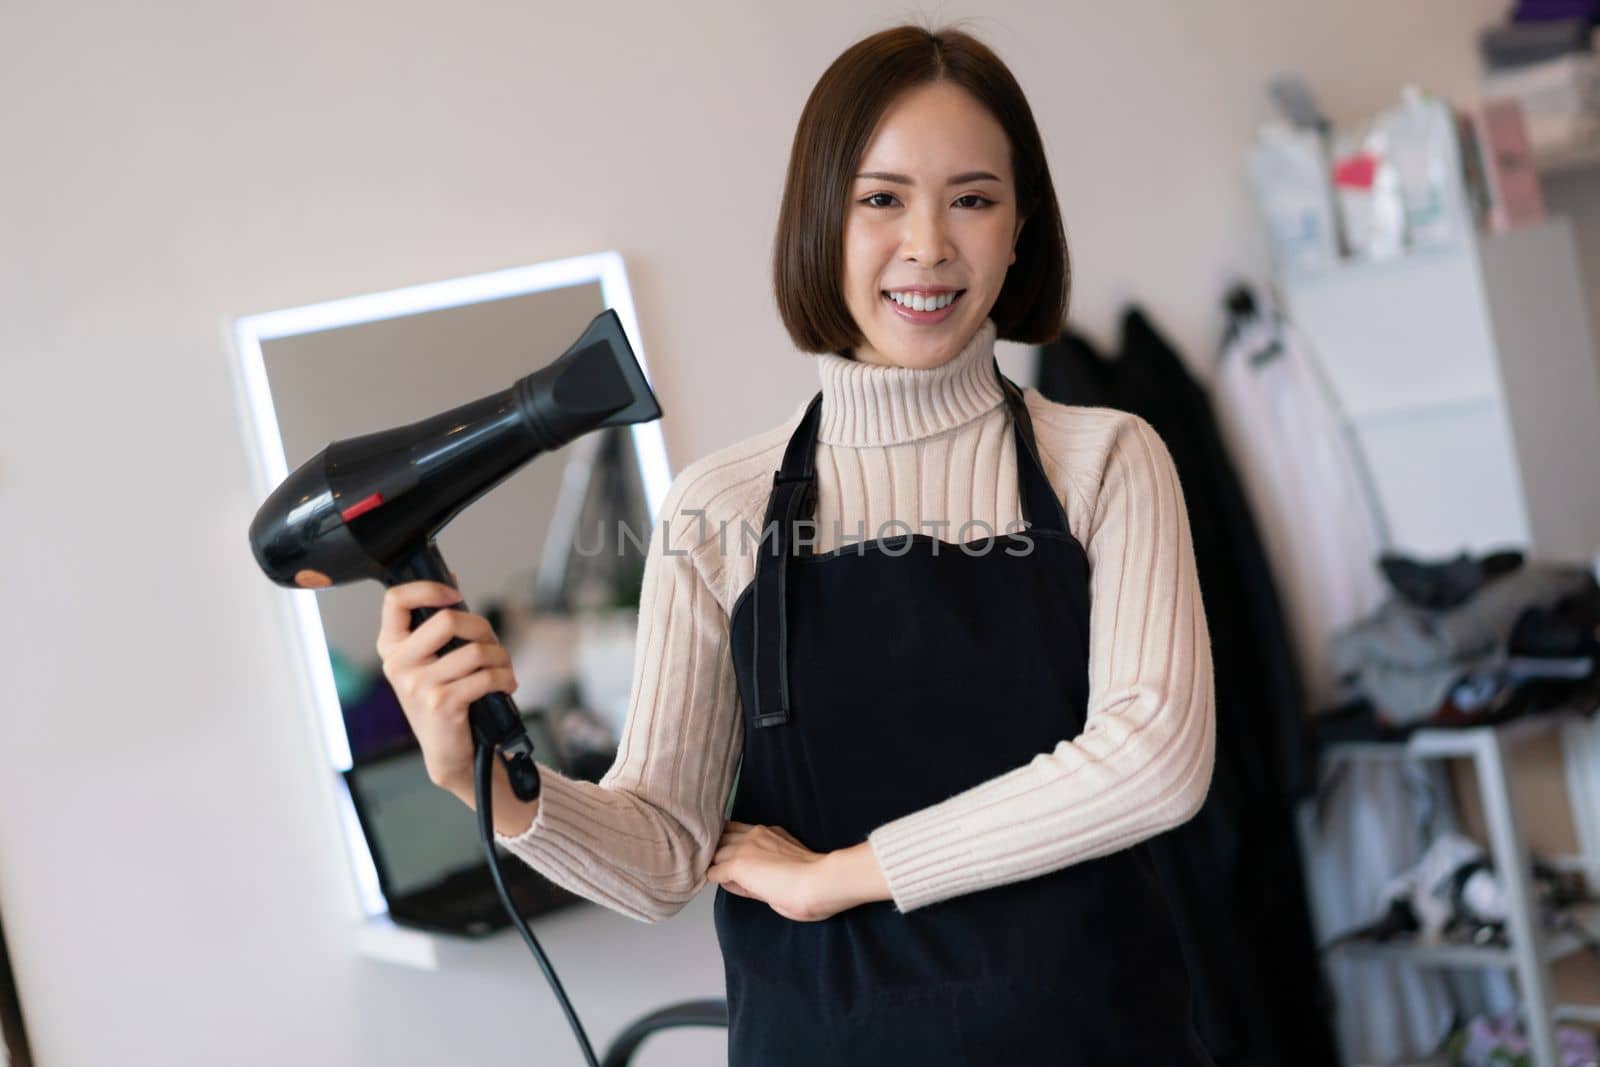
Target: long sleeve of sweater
[
  {"x": 933, "y": 449},
  {"x": 640, "y": 840}
]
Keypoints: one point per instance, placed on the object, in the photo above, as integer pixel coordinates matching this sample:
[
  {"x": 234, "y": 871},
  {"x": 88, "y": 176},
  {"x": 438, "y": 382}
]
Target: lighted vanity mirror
[{"x": 553, "y": 556}]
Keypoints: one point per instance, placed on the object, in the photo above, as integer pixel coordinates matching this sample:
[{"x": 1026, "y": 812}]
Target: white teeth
[{"x": 918, "y": 302}]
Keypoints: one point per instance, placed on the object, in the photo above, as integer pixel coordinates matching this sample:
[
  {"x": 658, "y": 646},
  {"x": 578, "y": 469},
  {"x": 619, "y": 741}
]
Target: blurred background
[{"x": 1344, "y": 257}]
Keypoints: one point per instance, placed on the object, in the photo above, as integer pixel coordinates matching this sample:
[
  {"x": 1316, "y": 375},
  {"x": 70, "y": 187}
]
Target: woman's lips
[{"x": 924, "y": 318}]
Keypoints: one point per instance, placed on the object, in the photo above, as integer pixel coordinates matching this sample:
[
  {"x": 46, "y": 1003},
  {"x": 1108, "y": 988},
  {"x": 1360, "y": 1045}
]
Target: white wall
[{"x": 170, "y": 892}]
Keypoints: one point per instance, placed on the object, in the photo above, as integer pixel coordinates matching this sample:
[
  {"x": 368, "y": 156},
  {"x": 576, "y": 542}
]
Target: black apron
[{"x": 888, "y": 675}]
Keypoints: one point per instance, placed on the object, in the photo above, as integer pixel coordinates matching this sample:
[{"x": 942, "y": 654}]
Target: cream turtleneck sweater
[{"x": 926, "y": 447}]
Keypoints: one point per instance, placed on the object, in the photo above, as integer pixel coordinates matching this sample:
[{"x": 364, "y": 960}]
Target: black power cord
[{"x": 485, "y": 782}]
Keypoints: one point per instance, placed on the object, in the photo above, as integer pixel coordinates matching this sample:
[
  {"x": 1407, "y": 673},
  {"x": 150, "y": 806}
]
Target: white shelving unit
[
  {"x": 1532, "y": 949},
  {"x": 1469, "y": 381}
]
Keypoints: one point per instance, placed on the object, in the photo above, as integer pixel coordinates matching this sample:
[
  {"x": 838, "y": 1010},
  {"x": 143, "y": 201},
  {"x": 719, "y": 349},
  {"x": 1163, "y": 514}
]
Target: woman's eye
[{"x": 984, "y": 201}]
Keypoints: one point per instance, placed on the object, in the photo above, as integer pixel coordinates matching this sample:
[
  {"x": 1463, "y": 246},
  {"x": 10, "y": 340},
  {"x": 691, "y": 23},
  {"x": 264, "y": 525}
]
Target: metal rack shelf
[
  {"x": 1558, "y": 945},
  {"x": 1532, "y": 948}
]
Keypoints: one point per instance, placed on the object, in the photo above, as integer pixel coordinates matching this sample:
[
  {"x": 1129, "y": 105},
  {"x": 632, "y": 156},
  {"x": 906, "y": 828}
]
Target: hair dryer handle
[{"x": 494, "y": 718}]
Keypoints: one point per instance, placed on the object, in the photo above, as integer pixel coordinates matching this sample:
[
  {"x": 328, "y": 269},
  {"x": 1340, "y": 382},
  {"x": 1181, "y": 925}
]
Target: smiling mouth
[{"x": 958, "y": 294}]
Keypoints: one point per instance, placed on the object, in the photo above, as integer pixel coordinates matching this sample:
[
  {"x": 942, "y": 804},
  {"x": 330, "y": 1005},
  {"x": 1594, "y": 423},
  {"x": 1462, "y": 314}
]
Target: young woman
[{"x": 947, "y": 632}]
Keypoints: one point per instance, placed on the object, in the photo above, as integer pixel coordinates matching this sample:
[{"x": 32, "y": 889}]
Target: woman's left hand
[{"x": 767, "y": 863}]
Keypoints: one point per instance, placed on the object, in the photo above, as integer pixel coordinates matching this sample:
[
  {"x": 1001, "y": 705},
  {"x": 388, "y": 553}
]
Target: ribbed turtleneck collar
[{"x": 865, "y": 404}]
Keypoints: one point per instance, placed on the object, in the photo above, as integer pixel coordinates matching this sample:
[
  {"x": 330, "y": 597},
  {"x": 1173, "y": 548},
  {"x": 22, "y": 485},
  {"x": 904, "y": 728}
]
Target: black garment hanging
[
  {"x": 1260, "y": 996},
  {"x": 888, "y": 675}
]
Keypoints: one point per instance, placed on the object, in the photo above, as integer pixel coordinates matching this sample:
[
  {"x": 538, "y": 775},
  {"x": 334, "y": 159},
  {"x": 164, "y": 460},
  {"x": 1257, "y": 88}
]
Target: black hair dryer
[{"x": 370, "y": 506}]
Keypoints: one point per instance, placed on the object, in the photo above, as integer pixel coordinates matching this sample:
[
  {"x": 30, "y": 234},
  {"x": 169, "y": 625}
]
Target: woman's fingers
[
  {"x": 398, "y": 602},
  {"x": 402, "y": 648},
  {"x": 480, "y": 684},
  {"x": 717, "y": 872},
  {"x": 428, "y": 639},
  {"x": 737, "y": 831},
  {"x": 460, "y": 662}
]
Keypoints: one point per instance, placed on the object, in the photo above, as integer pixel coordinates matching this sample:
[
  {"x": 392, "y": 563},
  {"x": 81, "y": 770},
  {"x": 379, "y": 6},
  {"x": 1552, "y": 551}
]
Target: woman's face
[{"x": 933, "y": 206}]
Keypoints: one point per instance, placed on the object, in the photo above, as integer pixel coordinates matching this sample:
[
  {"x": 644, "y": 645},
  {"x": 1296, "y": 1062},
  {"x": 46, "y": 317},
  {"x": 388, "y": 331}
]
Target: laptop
[{"x": 425, "y": 846}]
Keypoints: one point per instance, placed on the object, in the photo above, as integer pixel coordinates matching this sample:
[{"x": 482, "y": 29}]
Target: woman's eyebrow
[{"x": 959, "y": 179}]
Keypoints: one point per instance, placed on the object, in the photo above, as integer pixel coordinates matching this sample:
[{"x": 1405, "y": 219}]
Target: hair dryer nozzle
[{"x": 596, "y": 382}]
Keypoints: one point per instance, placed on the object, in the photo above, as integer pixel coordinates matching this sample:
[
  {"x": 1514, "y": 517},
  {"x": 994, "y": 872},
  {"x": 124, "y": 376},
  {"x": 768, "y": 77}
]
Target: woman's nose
[{"x": 927, "y": 241}]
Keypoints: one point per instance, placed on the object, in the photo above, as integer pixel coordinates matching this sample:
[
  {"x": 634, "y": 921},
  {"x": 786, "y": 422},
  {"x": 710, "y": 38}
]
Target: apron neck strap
[{"x": 1041, "y": 507}]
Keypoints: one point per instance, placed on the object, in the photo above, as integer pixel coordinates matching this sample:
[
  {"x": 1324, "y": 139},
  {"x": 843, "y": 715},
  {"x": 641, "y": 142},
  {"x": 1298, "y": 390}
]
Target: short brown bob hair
[{"x": 837, "y": 122}]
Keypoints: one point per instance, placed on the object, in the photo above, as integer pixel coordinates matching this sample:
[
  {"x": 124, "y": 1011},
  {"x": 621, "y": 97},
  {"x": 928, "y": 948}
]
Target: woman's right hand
[{"x": 435, "y": 691}]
